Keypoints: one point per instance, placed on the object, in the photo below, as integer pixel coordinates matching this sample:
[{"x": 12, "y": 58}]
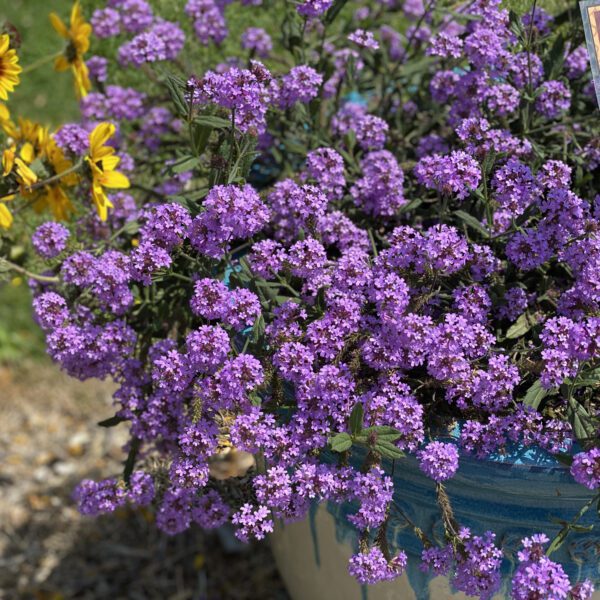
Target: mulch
[{"x": 49, "y": 441}]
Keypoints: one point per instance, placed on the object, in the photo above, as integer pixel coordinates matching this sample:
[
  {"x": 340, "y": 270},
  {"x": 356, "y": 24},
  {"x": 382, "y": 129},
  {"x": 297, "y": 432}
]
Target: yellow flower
[
  {"x": 9, "y": 67},
  {"x": 6, "y": 217},
  {"x": 53, "y": 195},
  {"x": 11, "y": 162},
  {"x": 5, "y": 121},
  {"x": 78, "y": 37},
  {"x": 103, "y": 162}
]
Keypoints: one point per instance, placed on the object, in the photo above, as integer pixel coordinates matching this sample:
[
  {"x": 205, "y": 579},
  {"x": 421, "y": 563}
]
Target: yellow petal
[
  {"x": 59, "y": 26},
  {"x": 99, "y": 136},
  {"x": 4, "y": 113},
  {"x": 75, "y": 14},
  {"x": 114, "y": 179},
  {"x": 61, "y": 64},
  {"x": 4, "y": 42},
  {"x": 8, "y": 161},
  {"x": 26, "y": 175},
  {"x": 110, "y": 163},
  {"x": 27, "y": 153},
  {"x": 6, "y": 218},
  {"x": 101, "y": 201}
]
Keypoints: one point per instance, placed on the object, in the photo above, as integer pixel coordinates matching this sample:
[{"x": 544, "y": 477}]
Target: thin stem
[
  {"x": 11, "y": 266},
  {"x": 45, "y": 182},
  {"x": 44, "y": 60}
]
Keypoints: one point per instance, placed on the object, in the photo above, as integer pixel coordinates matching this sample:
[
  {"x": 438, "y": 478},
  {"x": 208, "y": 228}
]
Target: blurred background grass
[{"x": 47, "y": 97}]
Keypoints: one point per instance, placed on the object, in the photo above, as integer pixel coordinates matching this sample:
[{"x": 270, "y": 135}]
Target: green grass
[
  {"x": 44, "y": 95},
  {"x": 47, "y": 97}
]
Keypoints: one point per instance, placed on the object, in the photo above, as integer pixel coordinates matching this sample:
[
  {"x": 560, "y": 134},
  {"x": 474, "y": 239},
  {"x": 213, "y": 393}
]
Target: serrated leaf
[
  {"x": 535, "y": 394},
  {"x": 379, "y": 432},
  {"x": 471, "y": 221},
  {"x": 387, "y": 449},
  {"x": 356, "y": 418},
  {"x": 521, "y": 326},
  {"x": 340, "y": 442}
]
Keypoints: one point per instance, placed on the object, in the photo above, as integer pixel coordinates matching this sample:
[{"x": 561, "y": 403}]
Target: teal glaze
[{"x": 514, "y": 495}]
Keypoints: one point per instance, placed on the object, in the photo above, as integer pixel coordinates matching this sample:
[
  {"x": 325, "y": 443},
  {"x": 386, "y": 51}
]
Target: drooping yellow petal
[
  {"x": 101, "y": 201},
  {"x": 26, "y": 176},
  {"x": 61, "y": 64},
  {"x": 6, "y": 218},
  {"x": 8, "y": 161},
  {"x": 59, "y": 26},
  {"x": 81, "y": 79}
]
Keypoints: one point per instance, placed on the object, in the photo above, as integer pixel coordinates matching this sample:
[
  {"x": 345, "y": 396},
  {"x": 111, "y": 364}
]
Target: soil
[{"x": 49, "y": 441}]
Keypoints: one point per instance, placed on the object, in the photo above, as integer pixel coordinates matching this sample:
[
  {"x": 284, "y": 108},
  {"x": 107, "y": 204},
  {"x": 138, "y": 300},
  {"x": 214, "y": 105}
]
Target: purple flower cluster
[
  {"x": 333, "y": 245},
  {"x": 456, "y": 174},
  {"x": 231, "y": 213},
  {"x": 50, "y": 239},
  {"x": 539, "y": 577}
]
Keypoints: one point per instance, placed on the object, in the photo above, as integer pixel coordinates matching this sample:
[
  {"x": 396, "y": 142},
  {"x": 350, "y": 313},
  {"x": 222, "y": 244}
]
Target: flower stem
[
  {"x": 45, "y": 182},
  {"x": 11, "y": 266},
  {"x": 40, "y": 62}
]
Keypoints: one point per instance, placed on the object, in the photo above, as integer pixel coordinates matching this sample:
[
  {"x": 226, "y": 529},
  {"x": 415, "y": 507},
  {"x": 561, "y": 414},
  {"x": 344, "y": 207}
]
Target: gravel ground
[{"x": 48, "y": 442}]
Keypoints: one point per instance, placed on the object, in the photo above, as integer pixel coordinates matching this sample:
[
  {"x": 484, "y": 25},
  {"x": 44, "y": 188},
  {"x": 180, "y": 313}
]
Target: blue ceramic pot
[{"x": 513, "y": 495}]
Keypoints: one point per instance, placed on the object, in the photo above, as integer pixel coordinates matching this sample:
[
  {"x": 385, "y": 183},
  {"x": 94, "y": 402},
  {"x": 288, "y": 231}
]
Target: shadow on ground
[{"x": 48, "y": 443}]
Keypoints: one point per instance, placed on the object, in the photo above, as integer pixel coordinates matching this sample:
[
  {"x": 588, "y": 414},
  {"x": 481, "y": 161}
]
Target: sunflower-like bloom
[
  {"x": 78, "y": 38},
  {"x": 103, "y": 162},
  {"x": 9, "y": 67}
]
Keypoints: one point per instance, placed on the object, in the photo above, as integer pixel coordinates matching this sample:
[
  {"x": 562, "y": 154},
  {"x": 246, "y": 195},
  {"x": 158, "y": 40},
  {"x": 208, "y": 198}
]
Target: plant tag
[{"x": 590, "y": 13}]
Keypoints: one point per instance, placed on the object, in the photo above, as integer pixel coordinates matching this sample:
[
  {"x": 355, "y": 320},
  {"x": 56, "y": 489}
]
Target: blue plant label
[{"x": 590, "y": 13}]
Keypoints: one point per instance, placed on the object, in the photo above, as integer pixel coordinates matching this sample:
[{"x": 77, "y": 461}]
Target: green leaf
[
  {"x": 356, "y": 418},
  {"x": 130, "y": 462},
  {"x": 112, "y": 421},
  {"x": 340, "y": 442},
  {"x": 588, "y": 378},
  {"x": 581, "y": 420},
  {"x": 535, "y": 394},
  {"x": 212, "y": 121},
  {"x": 185, "y": 163},
  {"x": 379, "y": 432},
  {"x": 521, "y": 326},
  {"x": 412, "y": 205},
  {"x": 176, "y": 86},
  {"x": 333, "y": 12},
  {"x": 555, "y": 58},
  {"x": 471, "y": 221},
  {"x": 387, "y": 450}
]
